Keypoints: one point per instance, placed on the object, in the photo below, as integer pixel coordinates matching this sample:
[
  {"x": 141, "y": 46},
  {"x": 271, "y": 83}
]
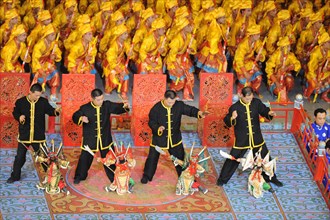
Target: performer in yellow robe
[
  {"x": 115, "y": 67},
  {"x": 15, "y": 48},
  {"x": 147, "y": 16},
  {"x": 309, "y": 39},
  {"x": 268, "y": 20},
  {"x": 82, "y": 54},
  {"x": 12, "y": 20},
  {"x": 239, "y": 29},
  {"x": 117, "y": 19},
  {"x": 75, "y": 34},
  {"x": 94, "y": 7},
  {"x": 152, "y": 47},
  {"x": 303, "y": 22},
  {"x": 296, "y": 6},
  {"x": 45, "y": 53},
  {"x": 179, "y": 65},
  {"x": 171, "y": 7},
  {"x": 318, "y": 73},
  {"x": 65, "y": 20},
  {"x": 281, "y": 28},
  {"x": 259, "y": 11},
  {"x": 249, "y": 52},
  {"x": 212, "y": 56},
  {"x": 135, "y": 18},
  {"x": 100, "y": 20},
  {"x": 44, "y": 19},
  {"x": 6, "y": 5},
  {"x": 31, "y": 18},
  {"x": 279, "y": 67}
]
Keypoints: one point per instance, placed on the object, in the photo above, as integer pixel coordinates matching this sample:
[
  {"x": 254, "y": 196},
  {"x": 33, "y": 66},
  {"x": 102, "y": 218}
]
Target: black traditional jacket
[
  {"x": 247, "y": 124},
  {"x": 32, "y": 130},
  {"x": 170, "y": 118},
  {"x": 97, "y": 133}
]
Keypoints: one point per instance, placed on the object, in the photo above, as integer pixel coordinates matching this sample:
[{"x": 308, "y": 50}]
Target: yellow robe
[
  {"x": 275, "y": 33},
  {"x": 10, "y": 54},
  {"x": 317, "y": 60},
  {"x": 275, "y": 62},
  {"x": 307, "y": 41},
  {"x": 41, "y": 56},
  {"x": 77, "y": 55},
  {"x": 245, "y": 55},
  {"x": 149, "y": 48}
]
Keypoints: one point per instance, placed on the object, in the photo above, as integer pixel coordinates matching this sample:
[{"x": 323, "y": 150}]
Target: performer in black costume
[
  {"x": 165, "y": 122},
  {"x": 95, "y": 120},
  {"x": 244, "y": 116},
  {"x": 30, "y": 112}
]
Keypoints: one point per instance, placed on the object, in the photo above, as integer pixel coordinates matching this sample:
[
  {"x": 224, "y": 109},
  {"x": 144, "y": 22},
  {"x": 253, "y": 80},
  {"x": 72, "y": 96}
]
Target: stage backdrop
[
  {"x": 12, "y": 87},
  {"x": 76, "y": 90},
  {"x": 215, "y": 96},
  {"x": 147, "y": 90}
]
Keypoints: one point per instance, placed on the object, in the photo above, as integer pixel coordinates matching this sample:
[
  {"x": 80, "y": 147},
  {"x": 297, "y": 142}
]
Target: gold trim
[
  {"x": 98, "y": 120},
  {"x": 94, "y": 106},
  {"x": 174, "y": 145},
  {"x": 32, "y": 113},
  {"x": 80, "y": 122},
  {"x": 246, "y": 147},
  {"x": 159, "y": 132},
  {"x": 231, "y": 121}
]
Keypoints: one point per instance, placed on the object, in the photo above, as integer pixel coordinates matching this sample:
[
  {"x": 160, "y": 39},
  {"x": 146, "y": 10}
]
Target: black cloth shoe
[
  {"x": 219, "y": 182},
  {"x": 144, "y": 180},
  {"x": 277, "y": 182},
  {"x": 76, "y": 181},
  {"x": 11, "y": 180}
]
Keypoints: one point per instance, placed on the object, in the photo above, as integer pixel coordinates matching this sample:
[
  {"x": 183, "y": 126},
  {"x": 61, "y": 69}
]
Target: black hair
[
  {"x": 319, "y": 110},
  {"x": 327, "y": 144},
  {"x": 96, "y": 93},
  {"x": 36, "y": 88},
  {"x": 247, "y": 91},
  {"x": 170, "y": 94}
]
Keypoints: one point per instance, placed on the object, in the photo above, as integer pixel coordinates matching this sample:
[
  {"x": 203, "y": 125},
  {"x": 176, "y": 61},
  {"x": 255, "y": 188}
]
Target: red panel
[
  {"x": 140, "y": 131},
  {"x": 8, "y": 132},
  {"x": 12, "y": 87},
  {"x": 76, "y": 90},
  {"x": 215, "y": 89},
  {"x": 148, "y": 89},
  {"x": 71, "y": 133},
  {"x": 214, "y": 133}
]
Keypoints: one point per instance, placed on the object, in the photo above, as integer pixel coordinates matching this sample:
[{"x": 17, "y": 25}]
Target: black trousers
[
  {"x": 20, "y": 159},
  {"x": 85, "y": 162},
  {"x": 153, "y": 157},
  {"x": 230, "y": 166}
]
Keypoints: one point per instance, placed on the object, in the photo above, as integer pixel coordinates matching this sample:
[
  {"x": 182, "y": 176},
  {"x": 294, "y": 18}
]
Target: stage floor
[{"x": 299, "y": 198}]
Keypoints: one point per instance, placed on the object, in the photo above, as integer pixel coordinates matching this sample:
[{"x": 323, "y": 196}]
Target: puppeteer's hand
[
  {"x": 22, "y": 119},
  {"x": 58, "y": 109},
  {"x": 272, "y": 113},
  {"x": 85, "y": 119},
  {"x": 203, "y": 114},
  {"x": 234, "y": 115},
  {"x": 126, "y": 104}
]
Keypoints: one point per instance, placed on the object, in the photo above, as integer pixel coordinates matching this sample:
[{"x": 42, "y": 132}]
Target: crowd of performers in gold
[{"x": 279, "y": 41}]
